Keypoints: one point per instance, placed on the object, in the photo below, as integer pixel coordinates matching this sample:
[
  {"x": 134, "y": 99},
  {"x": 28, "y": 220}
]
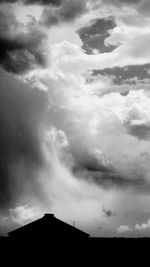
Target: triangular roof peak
[
  {"x": 48, "y": 223},
  {"x": 49, "y": 215}
]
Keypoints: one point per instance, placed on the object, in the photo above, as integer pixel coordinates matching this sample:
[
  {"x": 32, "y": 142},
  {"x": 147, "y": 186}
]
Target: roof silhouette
[{"x": 47, "y": 227}]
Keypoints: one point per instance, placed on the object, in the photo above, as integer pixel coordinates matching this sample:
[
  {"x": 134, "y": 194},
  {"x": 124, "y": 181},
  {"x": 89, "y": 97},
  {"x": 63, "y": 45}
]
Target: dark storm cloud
[
  {"x": 142, "y": 132},
  {"x": 22, "y": 112},
  {"x": 20, "y": 51},
  {"x": 94, "y": 36},
  {"x": 68, "y": 11},
  {"x": 43, "y": 2},
  {"x": 123, "y": 2},
  {"x": 9, "y": 1},
  {"x": 130, "y": 1},
  {"x": 58, "y": 2},
  {"x": 108, "y": 213},
  {"x": 125, "y": 74},
  {"x": 89, "y": 162},
  {"x": 108, "y": 177},
  {"x": 115, "y": 179},
  {"x": 32, "y": 2}
]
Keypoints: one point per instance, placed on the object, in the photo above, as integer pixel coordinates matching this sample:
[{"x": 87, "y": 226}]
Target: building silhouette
[
  {"x": 47, "y": 228},
  {"x": 49, "y": 239}
]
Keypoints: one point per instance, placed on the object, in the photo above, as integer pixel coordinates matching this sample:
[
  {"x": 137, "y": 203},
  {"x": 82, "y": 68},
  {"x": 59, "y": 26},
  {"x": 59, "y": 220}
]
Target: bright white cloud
[
  {"x": 123, "y": 229},
  {"x": 93, "y": 124},
  {"x": 24, "y": 214},
  {"x": 143, "y": 226}
]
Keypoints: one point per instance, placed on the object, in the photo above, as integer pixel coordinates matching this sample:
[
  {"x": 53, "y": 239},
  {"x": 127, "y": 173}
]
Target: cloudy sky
[{"x": 75, "y": 114}]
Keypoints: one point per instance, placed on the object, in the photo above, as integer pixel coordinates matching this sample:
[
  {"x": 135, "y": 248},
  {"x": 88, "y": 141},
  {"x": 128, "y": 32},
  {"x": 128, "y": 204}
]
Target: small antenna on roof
[{"x": 74, "y": 223}]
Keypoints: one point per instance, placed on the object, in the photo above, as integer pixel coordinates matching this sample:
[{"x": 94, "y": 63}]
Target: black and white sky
[{"x": 75, "y": 114}]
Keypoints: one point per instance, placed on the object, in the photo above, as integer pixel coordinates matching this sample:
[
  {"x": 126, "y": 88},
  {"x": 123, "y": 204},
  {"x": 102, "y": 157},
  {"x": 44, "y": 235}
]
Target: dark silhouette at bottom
[
  {"x": 47, "y": 228},
  {"x": 50, "y": 239}
]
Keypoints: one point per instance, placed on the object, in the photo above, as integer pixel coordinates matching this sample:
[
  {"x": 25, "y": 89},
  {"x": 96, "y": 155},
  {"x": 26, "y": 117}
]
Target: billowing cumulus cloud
[
  {"x": 143, "y": 226},
  {"x": 123, "y": 229},
  {"x": 23, "y": 214}
]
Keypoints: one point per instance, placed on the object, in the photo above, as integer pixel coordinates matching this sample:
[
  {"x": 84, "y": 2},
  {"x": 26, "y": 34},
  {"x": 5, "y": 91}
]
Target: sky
[{"x": 75, "y": 114}]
